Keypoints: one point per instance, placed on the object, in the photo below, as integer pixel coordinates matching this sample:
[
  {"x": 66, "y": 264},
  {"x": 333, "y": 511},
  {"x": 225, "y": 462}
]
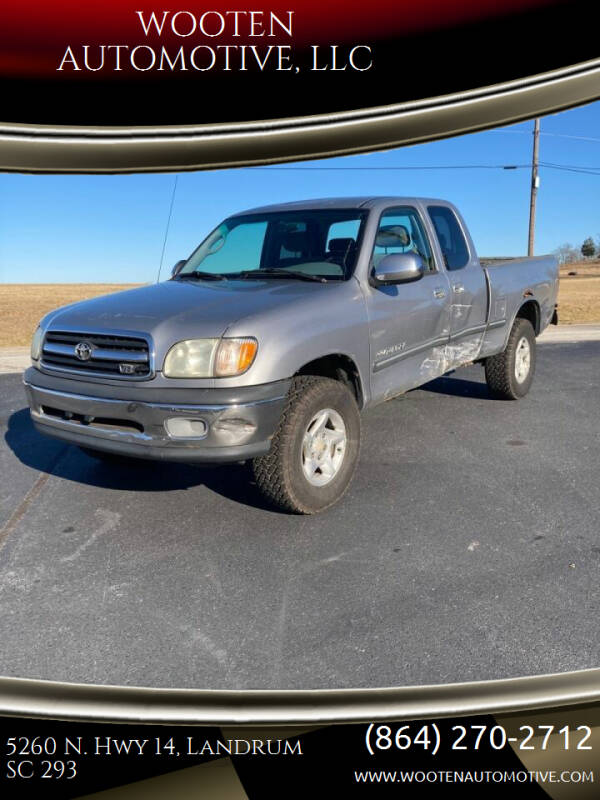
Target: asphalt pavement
[{"x": 467, "y": 548}]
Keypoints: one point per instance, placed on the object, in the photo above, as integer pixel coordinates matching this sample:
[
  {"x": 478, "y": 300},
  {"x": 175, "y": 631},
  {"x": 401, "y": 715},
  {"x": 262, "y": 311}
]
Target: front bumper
[{"x": 123, "y": 424}]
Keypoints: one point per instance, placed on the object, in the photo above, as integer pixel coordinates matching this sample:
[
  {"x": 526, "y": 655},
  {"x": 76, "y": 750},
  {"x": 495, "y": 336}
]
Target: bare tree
[{"x": 567, "y": 254}]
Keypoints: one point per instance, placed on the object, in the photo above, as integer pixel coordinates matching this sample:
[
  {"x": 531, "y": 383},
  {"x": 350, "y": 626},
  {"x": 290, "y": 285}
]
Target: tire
[
  {"x": 509, "y": 374},
  {"x": 315, "y": 448}
]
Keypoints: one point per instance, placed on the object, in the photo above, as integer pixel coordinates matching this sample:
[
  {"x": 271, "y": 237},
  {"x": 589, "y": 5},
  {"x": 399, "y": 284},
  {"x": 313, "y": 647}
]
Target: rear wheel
[
  {"x": 509, "y": 374},
  {"x": 315, "y": 448}
]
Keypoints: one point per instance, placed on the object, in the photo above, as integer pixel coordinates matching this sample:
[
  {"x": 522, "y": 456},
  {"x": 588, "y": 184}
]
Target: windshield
[{"x": 321, "y": 243}]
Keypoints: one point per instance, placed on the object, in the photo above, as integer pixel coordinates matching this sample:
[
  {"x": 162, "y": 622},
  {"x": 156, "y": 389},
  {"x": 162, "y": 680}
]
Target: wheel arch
[
  {"x": 340, "y": 367},
  {"x": 529, "y": 310}
]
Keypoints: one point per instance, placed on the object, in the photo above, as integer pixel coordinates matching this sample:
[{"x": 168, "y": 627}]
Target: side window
[
  {"x": 452, "y": 241},
  {"x": 401, "y": 231}
]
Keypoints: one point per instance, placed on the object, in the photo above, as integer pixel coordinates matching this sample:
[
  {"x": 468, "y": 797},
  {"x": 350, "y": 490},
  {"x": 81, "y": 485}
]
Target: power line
[
  {"x": 395, "y": 167},
  {"x": 572, "y": 168},
  {"x": 570, "y": 136},
  {"x": 588, "y": 170},
  {"x": 554, "y": 135}
]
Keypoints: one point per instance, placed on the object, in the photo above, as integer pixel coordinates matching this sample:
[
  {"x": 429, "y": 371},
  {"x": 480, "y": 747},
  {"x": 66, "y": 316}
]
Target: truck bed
[{"x": 511, "y": 282}]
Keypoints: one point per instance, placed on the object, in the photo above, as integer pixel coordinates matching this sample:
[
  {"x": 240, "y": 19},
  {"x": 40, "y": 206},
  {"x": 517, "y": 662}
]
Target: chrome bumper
[{"x": 231, "y": 432}]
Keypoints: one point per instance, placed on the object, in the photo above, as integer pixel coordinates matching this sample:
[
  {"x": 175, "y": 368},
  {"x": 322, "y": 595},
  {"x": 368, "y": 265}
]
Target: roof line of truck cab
[{"x": 366, "y": 201}]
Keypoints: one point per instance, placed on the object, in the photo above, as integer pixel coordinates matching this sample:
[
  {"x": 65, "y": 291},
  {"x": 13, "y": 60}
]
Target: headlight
[
  {"x": 210, "y": 358},
  {"x": 36, "y": 344},
  {"x": 193, "y": 358}
]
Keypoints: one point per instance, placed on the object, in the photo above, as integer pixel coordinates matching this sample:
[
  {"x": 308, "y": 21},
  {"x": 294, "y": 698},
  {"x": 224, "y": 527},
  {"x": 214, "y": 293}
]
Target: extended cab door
[
  {"x": 408, "y": 320},
  {"x": 468, "y": 284}
]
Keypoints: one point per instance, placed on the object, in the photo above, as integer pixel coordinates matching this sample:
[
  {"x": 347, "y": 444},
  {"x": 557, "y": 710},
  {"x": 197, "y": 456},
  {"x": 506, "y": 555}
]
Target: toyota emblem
[{"x": 83, "y": 351}]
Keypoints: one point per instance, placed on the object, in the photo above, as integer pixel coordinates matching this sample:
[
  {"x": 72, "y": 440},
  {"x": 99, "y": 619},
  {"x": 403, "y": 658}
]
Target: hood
[{"x": 176, "y": 310}]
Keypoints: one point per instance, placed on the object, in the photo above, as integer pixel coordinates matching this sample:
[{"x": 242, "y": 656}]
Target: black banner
[{"x": 549, "y": 754}]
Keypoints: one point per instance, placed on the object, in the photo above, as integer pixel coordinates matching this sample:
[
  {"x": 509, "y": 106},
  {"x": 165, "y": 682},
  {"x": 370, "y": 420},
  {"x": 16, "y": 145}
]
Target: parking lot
[{"x": 467, "y": 548}]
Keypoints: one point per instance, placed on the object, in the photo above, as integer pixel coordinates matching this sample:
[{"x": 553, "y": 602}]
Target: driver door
[{"x": 408, "y": 321}]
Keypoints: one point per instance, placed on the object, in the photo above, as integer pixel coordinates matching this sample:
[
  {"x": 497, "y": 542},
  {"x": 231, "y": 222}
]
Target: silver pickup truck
[{"x": 281, "y": 327}]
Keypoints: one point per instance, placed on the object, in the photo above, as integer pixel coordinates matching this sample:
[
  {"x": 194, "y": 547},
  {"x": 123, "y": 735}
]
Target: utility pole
[{"x": 535, "y": 182}]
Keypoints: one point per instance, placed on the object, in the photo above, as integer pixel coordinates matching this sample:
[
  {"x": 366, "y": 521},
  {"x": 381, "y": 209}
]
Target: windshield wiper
[
  {"x": 273, "y": 272},
  {"x": 201, "y": 276}
]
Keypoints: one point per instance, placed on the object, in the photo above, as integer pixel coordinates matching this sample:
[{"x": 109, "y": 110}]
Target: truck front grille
[{"x": 117, "y": 356}]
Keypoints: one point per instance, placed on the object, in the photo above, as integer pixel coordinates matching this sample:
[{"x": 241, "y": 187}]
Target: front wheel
[
  {"x": 315, "y": 447},
  {"x": 510, "y": 373}
]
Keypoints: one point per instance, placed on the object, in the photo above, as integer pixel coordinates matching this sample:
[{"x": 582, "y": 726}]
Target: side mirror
[
  {"x": 177, "y": 268},
  {"x": 398, "y": 268}
]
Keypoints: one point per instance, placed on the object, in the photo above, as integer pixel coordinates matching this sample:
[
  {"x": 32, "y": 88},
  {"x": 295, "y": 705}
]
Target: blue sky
[{"x": 110, "y": 229}]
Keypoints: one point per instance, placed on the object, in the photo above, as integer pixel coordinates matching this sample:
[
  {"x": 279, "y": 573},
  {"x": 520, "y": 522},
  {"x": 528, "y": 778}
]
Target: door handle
[
  {"x": 439, "y": 292},
  {"x": 458, "y": 288}
]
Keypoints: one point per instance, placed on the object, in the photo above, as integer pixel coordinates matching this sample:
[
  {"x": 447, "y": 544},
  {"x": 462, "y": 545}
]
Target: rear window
[{"x": 451, "y": 238}]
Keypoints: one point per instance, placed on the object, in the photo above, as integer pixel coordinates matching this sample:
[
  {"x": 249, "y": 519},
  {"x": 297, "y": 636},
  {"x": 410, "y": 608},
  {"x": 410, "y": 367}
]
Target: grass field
[
  {"x": 23, "y": 304},
  {"x": 579, "y": 295}
]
